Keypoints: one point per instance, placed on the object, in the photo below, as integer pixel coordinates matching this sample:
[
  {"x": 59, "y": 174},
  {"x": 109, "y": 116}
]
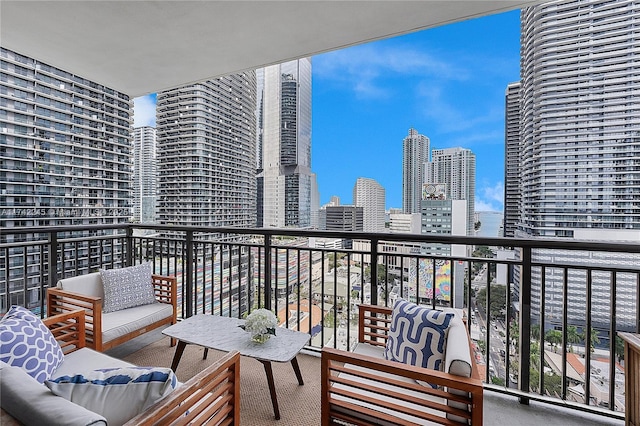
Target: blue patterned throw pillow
[
  {"x": 118, "y": 394},
  {"x": 127, "y": 287},
  {"x": 27, "y": 343},
  {"x": 417, "y": 335}
]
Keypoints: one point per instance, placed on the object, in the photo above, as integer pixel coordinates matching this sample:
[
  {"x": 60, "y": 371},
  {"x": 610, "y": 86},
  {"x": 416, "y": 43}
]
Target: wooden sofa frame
[
  {"x": 340, "y": 367},
  {"x": 61, "y": 301},
  {"x": 210, "y": 397}
]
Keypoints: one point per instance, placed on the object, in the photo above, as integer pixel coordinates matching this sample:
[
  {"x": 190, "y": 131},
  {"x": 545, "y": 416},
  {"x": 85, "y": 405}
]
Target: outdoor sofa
[
  {"x": 132, "y": 302},
  {"x": 211, "y": 397}
]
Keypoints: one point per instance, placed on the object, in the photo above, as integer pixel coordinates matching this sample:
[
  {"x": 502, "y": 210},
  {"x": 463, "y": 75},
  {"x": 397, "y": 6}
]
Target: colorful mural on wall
[{"x": 423, "y": 275}]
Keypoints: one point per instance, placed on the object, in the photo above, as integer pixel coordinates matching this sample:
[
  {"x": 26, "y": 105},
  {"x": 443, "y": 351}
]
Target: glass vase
[{"x": 260, "y": 338}]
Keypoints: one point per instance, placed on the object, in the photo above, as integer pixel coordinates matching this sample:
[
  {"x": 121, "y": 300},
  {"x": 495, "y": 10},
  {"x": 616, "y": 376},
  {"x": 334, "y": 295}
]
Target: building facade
[
  {"x": 344, "y": 218},
  {"x": 284, "y": 176},
  {"x": 206, "y": 144},
  {"x": 65, "y": 159},
  {"x": 370, "y": 195},
  {"x": 415, "y": 153},
  {"x": 404, "y": 223},
  {"x": 455, "y": 169},
  {"x": 512, "y": 159},
  {"x": 580, "y": 139},
  {"x": 442, "y": 216},
  {"x": 144, "y": 174}
]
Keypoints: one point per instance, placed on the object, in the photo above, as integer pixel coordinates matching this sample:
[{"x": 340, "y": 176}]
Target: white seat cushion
[
  {"x": 86, "y": 359},
  {"x": 119, "y": 323}
]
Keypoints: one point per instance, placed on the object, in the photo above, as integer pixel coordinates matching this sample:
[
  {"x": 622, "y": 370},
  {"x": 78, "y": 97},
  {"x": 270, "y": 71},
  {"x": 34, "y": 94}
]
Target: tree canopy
[{"x": 498, "y": 299}]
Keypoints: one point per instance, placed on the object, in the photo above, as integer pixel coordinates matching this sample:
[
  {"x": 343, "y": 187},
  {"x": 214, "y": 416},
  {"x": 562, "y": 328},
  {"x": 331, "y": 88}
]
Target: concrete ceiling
[{"x": 141, "y": 47}]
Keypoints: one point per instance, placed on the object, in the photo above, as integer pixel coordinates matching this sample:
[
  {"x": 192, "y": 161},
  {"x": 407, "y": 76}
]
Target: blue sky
[{"x": 448, "y": 83}]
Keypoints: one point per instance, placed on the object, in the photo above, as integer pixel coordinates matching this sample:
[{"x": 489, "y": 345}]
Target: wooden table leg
[
  {"x": 178, "y": 355},
  {"x": 272, "y": 388},
  {"x": 296, "y": 369}
]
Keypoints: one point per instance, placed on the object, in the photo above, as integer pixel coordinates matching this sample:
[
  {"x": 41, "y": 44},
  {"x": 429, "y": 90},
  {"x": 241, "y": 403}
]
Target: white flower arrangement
[{"x": 261, "y": 323}]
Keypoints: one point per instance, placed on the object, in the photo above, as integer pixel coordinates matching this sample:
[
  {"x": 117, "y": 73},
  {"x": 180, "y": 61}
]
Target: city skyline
[{"x": 448, "y": 83}]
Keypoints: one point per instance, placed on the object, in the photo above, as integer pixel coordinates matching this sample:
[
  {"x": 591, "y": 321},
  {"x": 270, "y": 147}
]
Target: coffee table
[{"x": 224, "y": 334}]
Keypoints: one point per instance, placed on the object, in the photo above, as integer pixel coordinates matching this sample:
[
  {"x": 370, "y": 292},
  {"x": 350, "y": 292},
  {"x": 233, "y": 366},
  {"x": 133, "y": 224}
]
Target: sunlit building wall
[
  {"x": 580, "y": 139},
  {"x": 415, "y": 153}
]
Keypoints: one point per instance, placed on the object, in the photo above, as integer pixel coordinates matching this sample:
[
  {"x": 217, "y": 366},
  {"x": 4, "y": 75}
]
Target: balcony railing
[{"x": 531, "y": 304}]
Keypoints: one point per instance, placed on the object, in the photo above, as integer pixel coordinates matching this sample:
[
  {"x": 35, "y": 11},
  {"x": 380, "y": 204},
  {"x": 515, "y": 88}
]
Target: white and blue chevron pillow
[
  {"x": 417, "y": 335},
  {"x": 118, "y": 394}
]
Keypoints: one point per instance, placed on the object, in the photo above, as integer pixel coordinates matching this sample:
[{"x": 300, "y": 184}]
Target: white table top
[{"x": 223, "y": 333}]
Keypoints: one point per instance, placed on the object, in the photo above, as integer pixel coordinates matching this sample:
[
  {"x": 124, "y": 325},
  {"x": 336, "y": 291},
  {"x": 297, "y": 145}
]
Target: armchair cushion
[
  {"x": 27, "y": 343},
  {"x": 127, "y": 287},
  {"x": 417, "y": 335},
  {"x": 118, "y": 394},
  {"x": 87, "y": 285}
]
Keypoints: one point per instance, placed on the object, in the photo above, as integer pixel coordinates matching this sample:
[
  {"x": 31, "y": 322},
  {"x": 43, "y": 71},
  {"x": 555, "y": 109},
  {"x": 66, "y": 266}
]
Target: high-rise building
[
  {"x": 65, "y": 159},
  {"x": 370, "y": 195},
  {"x": 284, "y": 176},
  {"x": 144, "y": 174},
  {"x": 344, "y": 218},
  {"x": 580, "y": 139},
  {"x": 206, "y": 144},
  {"x": 455, "y": 168},
  {"x": 65, "y": 148},
  {"x": 443, "y": 216},
  {"x": 404, "y": 223},
  {"x": 512, "y": 159},
  {"x": 415, "y": 153},
  {"x": 315, "y": 202}
]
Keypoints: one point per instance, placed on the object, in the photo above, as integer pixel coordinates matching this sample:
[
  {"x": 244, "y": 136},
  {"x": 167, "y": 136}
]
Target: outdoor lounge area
[
  {"x": 543, "y": 321},
  {"x": 301, "y": 404},
  {"x": 228, "y": 292}
]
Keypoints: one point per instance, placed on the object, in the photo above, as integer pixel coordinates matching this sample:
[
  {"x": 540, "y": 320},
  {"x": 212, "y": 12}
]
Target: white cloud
[
  {"x": 491, "y": 198},
  {"x": 144, "y": 111},
  {"x": 364, "y": 67},
  {"x": 454, "y": 116},
  {"x": 481, "y": 206}
]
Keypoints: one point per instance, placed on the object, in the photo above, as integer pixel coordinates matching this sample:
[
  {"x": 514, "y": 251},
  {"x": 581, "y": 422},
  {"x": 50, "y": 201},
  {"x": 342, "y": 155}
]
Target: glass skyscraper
[{"x": 284, "y": 172}]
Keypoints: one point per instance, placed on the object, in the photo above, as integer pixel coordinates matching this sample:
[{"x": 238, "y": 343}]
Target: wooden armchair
[
  {"x": 363, "y": 388},
  {"x": 104, "y": 331}
]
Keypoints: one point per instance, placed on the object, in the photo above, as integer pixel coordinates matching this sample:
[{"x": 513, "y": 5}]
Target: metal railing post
[
  {"x": 189, "y": 274},
  {"x": 53, "y": 258},
  {"x": 267, "y": 271},
  {"x": 129, "y": 246},
  {"x": 374, "y": 271},
  {"x": 525, "y": 324}
]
